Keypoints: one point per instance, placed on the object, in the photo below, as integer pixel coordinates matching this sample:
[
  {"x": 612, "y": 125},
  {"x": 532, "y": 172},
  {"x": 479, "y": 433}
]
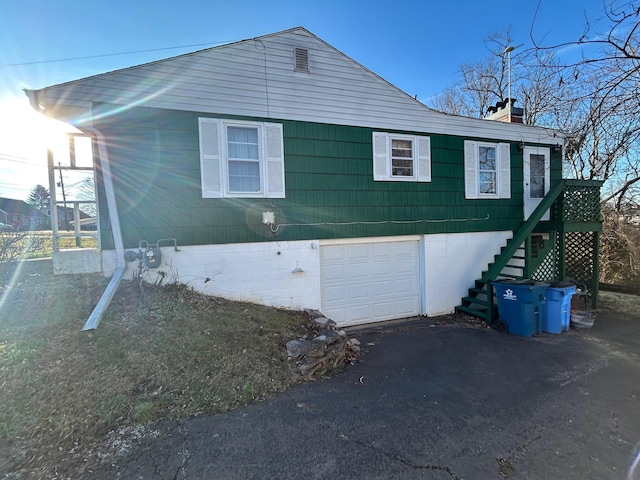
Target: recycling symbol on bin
[{"x": 508, "y": 295}]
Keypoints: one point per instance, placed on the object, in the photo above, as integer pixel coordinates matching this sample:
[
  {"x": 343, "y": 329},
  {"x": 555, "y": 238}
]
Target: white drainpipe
[{"x": 95, "y": 317}]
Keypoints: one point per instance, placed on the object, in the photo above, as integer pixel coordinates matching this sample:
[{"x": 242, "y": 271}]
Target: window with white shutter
[
  {"x": 487, "y": 170},
  {"x": 403, "y": 158},
  {"x": 241, "y": 159}
]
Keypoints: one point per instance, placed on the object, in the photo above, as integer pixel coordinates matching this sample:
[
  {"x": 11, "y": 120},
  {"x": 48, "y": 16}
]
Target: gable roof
[
  {"x": 10, "y": 205},
  {"x": 257, "y": 78}
]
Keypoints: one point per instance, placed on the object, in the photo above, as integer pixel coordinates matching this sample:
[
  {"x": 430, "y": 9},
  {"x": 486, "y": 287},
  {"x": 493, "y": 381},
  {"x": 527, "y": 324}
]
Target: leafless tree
[
  {"x": 481, "y": 84},
  {"x": 16, "y": 246},
  {"x": 600, "y": 111},
  {"x": 589, "y": 88},
  {"x": 484, "y": 83}
]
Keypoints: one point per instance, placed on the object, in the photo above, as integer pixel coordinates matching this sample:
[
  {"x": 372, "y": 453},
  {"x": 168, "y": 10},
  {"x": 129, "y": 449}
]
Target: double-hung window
[
  {"x": 404, "y": 158},
  {"x": 487, "y": 170},
  {"x": 241, "y": 159}
]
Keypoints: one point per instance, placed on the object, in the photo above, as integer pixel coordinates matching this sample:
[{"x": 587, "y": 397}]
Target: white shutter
[
  {"x": 381, "y": 159},
  {"x": 470, "y": 170},
  {"x": 504, "y": 150},
  {"x": 274, "y": 148},
  {"x": 210, "y": 161},
  {"x": 423, "y": 145}
]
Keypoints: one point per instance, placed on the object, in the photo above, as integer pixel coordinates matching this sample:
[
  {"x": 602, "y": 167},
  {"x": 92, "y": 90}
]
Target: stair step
[
  {"x": 504, "y": 276},
  {"x": 513, "y": 257},
  {"x": 519, "y": 267},
  {"x": 478, "y": 291},
  {"x": 473, "y": 312},
  {"x": 475, "y": 300}
]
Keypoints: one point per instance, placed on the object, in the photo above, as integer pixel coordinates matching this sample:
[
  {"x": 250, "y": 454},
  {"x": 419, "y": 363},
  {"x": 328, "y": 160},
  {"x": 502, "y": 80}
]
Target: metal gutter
[{"x": 94, "y": 319}]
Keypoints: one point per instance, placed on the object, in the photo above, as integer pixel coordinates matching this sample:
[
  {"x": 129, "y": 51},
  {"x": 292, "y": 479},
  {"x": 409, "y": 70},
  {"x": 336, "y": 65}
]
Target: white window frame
[
  {"x": 472, "y": 170},
  {"x": 214, "y": 161},
  {"x": 382, "y": 157},
  {"x": 495, "y": 171},
  {"x": 225, "y": 164}
]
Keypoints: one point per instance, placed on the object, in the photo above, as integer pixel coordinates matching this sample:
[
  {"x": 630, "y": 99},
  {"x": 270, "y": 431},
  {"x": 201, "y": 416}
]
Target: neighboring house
[
  {"x": 290, "y": 175},
  {"x": 66, "y": 215},
  {"x": 20, "y": 215}
]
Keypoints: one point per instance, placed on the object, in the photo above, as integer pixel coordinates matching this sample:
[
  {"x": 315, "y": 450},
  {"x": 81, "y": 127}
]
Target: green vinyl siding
[{"x": 330, "y": 192}]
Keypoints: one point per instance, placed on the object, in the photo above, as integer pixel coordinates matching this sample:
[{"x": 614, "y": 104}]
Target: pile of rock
[{"x": 327, "y": 349}]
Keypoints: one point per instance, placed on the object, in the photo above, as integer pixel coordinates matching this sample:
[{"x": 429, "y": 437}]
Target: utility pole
[
  {"x": 64, "y": 198},
  {"x": 508, "y": 50}
]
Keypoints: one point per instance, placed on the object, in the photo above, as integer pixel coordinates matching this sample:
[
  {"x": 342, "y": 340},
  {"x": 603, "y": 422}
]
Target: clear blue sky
[{"x": 418, "y": 45}]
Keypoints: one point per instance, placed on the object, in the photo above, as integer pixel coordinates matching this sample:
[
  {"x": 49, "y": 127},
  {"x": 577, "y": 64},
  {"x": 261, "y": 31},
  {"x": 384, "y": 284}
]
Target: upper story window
[
  {"x": 405, "y": 158},
  {"x": 487, "y": 170},
  {"x": 241, "y": 159}
]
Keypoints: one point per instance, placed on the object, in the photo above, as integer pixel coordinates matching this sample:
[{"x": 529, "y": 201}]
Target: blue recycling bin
[
  {"x": 557, "y": 309},
  {"x": 520, "y": 305}
]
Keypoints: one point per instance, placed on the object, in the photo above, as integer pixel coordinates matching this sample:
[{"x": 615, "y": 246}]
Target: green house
[{"x": 280, "y": 171}]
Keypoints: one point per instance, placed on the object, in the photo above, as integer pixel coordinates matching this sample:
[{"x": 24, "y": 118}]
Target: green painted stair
[{"x": 480, "y": 299}]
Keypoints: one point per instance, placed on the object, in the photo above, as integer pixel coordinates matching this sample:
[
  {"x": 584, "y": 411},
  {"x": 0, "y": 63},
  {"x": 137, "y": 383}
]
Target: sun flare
[{"x": 27, "y": 133}]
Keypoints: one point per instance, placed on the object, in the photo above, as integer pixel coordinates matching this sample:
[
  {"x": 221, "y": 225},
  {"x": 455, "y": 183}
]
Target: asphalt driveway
[{"x": 425, "y": 402}]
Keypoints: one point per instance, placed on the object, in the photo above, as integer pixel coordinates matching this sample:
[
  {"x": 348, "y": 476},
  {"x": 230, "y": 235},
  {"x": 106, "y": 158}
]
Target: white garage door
[{"x": 370, "y": 282}]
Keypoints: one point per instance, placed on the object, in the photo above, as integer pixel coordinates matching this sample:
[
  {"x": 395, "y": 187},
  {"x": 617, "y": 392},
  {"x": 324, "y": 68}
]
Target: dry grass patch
[
  {"x": 623, "y": 303},
  {"x": 158, "y": 353}
]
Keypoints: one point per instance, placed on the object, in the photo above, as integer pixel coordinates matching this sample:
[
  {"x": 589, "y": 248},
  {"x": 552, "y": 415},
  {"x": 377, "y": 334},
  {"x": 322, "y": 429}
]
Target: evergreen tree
[{"x": 39, "y": 197}]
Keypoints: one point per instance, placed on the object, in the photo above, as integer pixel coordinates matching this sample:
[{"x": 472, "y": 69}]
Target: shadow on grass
[{"x": 159, "y": 353}]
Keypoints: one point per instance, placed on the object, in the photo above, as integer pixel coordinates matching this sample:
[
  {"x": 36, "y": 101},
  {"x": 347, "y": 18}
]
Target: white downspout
[{"x": 95, "y": 317}]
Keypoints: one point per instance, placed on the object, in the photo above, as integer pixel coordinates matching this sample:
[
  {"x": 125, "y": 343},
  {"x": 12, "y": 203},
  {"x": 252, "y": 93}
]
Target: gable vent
[{"x": 302, "y": 60}]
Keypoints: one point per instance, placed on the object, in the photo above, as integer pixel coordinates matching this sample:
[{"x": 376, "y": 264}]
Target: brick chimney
[{"x": 504, "y": 111}]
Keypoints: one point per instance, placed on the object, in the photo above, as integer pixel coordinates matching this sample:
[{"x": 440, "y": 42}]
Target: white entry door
[
  {"x": 370, "y": 282},
  {"x": 536, "y": 178}
]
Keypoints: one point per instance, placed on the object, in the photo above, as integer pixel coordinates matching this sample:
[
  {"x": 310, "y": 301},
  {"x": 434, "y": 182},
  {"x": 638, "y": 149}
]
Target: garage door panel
[
  {"x": 359, "y": 290},
  {"x": 334, "y": 273},
  {"x": 339, "y": 312},
  {"x": 335, "y": 294},
  {"x": 383, "y": 287},
  {"x": 333, "y": 254},
  {"x": 383, "y": 311},
  {"x": 405, "y": 266},
  {"x": 370, "y": 282},
  {"x": 359, "y": 270},
  {"x": 405, "y": 286},
  {"x": 355, "y": 253},
  {"x": 382, "y": 267},
  {"x": 405, "y": 248},
  {"x": 408, "y": 306},
  {"x": 359, "y": 314}
]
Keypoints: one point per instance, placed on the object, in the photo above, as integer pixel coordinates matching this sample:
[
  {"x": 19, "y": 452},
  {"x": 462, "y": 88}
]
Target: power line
[
  {"x": 9, "y": 156},
  {"x": 131, "y": 52},
  {"x": 20, "y": 160}
]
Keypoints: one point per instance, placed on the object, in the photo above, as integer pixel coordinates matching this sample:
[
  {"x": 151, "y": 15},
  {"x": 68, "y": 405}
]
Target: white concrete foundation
[
  {"x": 287, "y": 274},
  {"x": 77, "y": 260}
]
